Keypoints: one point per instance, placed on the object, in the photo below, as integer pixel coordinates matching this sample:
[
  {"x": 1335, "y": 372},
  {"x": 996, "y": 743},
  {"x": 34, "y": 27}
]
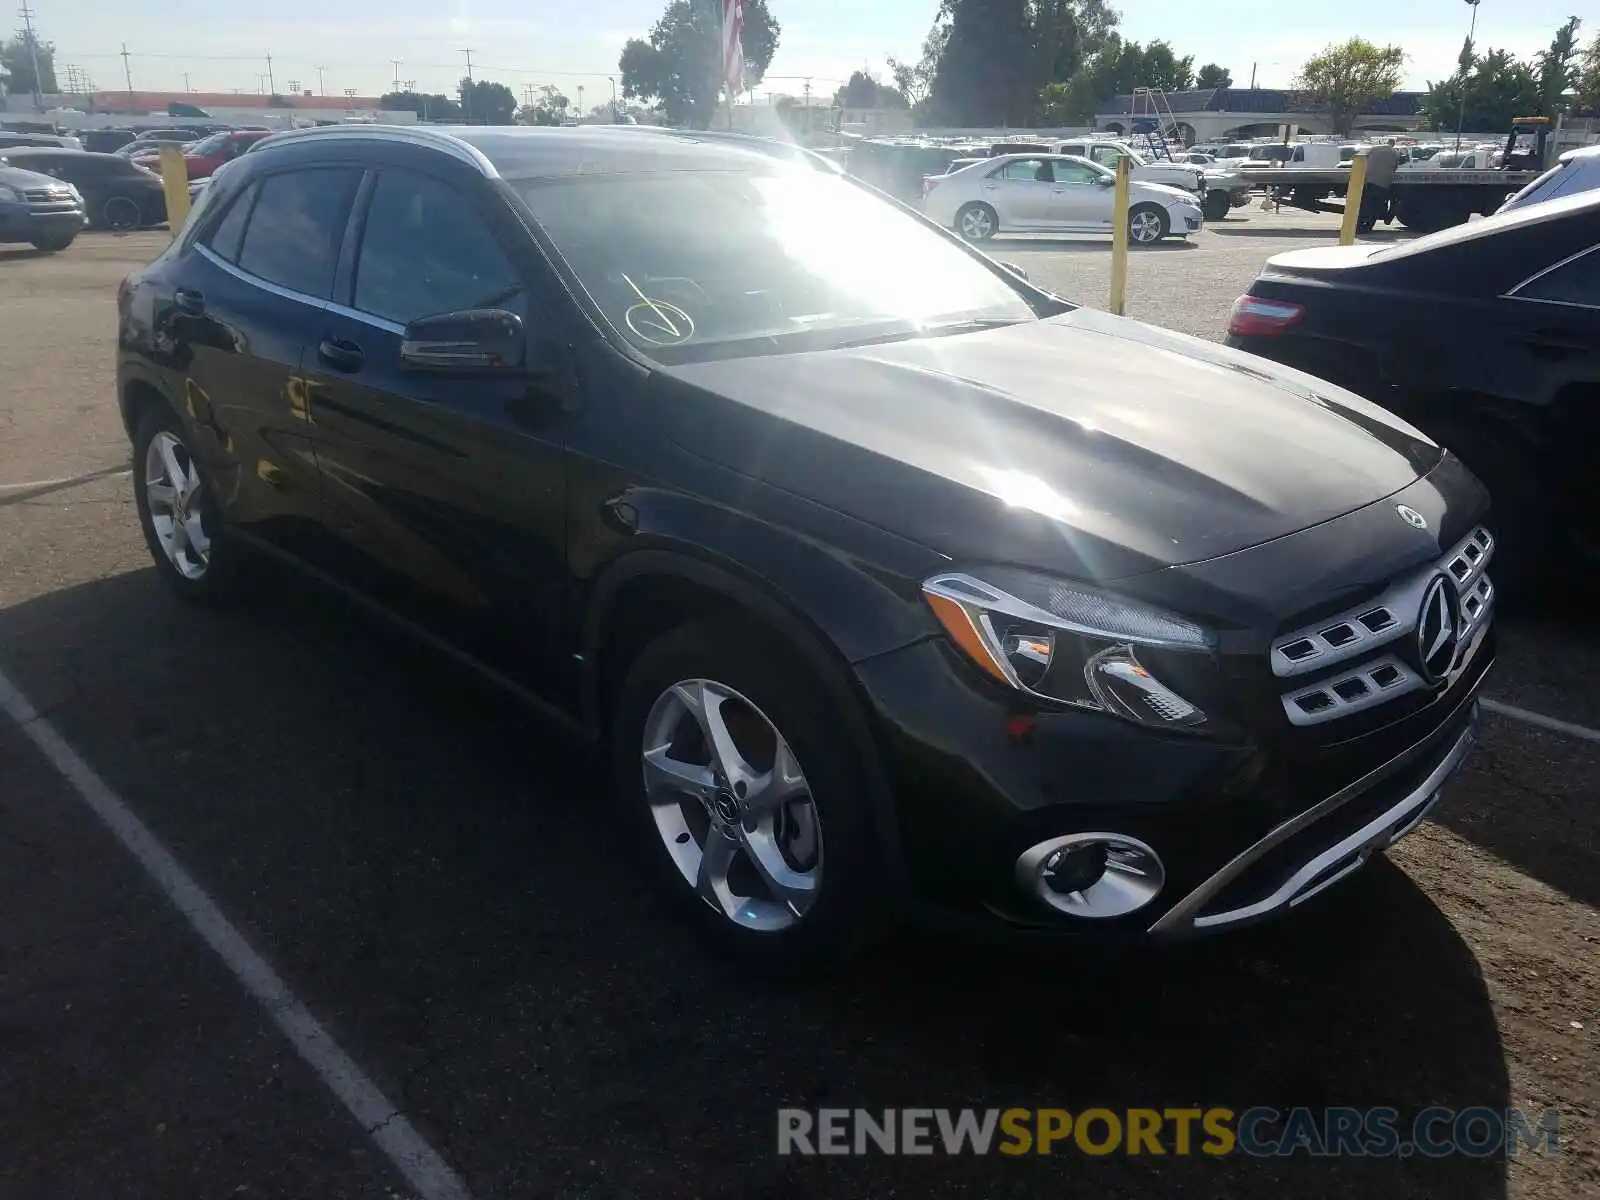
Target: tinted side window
[
  {"x": 229, "y": 232},
  {"x": 1578, "y": 282},
  {"x": 295, "y": 228},
  {"x": 426, "y": 250},
  {"x": 1070, "y": 172}
]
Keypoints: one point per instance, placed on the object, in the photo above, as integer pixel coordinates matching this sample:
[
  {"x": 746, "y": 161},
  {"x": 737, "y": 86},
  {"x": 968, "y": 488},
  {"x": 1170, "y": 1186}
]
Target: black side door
[
  {"x": 447, "y": 489},
  {"x": 233, "y": 318}
]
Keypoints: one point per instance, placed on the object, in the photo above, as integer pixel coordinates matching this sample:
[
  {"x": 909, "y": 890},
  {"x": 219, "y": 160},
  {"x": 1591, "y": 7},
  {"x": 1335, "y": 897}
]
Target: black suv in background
[{"x": 887, "y": 582}]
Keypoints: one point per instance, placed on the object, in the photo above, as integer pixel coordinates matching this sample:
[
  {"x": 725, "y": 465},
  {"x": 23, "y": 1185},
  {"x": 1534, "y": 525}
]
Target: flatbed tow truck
[{"x": 1418, "y": 198}]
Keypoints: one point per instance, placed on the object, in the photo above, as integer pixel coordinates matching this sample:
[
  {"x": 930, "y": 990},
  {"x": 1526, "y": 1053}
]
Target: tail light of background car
[
  {"x": 1253, "y": 316},
  {"x": 929, "y": 182}
]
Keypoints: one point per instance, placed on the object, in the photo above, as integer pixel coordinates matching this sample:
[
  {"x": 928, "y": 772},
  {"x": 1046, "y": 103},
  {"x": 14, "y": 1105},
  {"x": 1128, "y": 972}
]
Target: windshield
[
  {"x": 209, "y": 145},
  {"x": 689, "y": 266}
]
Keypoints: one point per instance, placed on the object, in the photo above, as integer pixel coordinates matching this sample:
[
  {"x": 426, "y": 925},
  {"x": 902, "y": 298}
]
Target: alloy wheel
[
  {"x": 121, "y": 214},
  {"x": 732, "y": 805},
  {"x": 1145, "y": 227},
  {"x": 172, "y": 491},
  {"x": 976, "y": 224}
]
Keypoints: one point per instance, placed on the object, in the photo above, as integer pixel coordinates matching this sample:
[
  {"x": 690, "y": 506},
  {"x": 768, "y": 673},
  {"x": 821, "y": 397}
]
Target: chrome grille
[{"x": 1361, "y": 635}]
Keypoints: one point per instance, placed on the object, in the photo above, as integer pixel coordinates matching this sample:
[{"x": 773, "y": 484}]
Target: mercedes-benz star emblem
[
  {"x": 1411, "y": 516},
  {"x": 1437, "y": 630}
]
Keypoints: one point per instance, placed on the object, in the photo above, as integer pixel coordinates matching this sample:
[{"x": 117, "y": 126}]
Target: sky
[{"x": 224, "y": 46}]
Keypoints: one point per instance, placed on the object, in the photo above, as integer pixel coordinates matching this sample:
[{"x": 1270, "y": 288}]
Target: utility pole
[
  {"x": 1461, "y": 113},
  {"x": 466, "y": 92},
  {"x": 580, "y": 102},
  {"x": 1252, "y": 75},
  {"x": 186, "y": 86},
  {"x": 127, "y": 73},
  {"x": 395, "y": 63},
  {"x": 272, "y": 84},
  {"x": 806, "y": 120},
  {"x": 321, "y": 89},
  {"x": 33, "y": 49}
]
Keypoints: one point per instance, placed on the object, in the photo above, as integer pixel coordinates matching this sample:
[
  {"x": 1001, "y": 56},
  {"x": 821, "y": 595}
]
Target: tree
[
  {"x": 978, "y": 81},
  {"x": 16, "y": 63},
  {"x": 1557, "y": 69},
  {"x": 1213, "y": 76},
  {"x": 1163, "y": 69},
  {"x": 1347, "y": 76},
  {"x": 487, "y": 103},
  {"x": 549, "y": 109},
  {"x": 1484, "y": 95},
  {"x": 680, "y": 65},
  {"x": 432, "y": 107},
  {"x": 1589, "y": 76},
  {"x": 863, "y": 91}
]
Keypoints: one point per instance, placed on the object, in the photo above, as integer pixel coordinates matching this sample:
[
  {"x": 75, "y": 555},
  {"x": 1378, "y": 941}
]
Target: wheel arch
[{"x": 646, "y": 592}]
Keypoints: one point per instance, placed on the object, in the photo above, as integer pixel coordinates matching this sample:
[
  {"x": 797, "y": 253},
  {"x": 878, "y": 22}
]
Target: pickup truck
[{"x": 1219, "y": 189}]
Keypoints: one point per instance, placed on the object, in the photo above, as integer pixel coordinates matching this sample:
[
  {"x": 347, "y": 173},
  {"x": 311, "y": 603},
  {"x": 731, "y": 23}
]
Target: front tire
[
  {"x": 733, "y": 767},
  {"x": 120, "y": 215},
  {"x": 53, "y": 243},
  {"x": 1218, "y": 204},
  {"x": 178, "y": 512},
  {"x": 977, "y": 222},
  {"x": 1147, "y": 225}
]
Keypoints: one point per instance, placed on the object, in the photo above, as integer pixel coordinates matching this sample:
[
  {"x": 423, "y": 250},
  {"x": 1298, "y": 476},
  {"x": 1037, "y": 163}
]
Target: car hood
[
  {"x": 18, "y": 178},
  {"x": 1161, "y": 191},
  {"x": 1084, "y": 443}
]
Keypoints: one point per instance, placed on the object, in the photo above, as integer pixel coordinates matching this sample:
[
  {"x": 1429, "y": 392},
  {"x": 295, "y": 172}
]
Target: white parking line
[
  {"x": 421, "y": 1165},
  {"x": 1529, "y": 717},
  {"x": 108, "y": 473}
]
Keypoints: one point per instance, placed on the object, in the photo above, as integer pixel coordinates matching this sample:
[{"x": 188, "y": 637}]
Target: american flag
[{"x": 733, "y": 45}]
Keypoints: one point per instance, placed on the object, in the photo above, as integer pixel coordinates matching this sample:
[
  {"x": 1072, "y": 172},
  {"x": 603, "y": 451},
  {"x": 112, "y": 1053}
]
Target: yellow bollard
[
  {"x": 1352, "y": 199},
  {"x": 1119, "y": 239},
  {"x": 175, "y": 179}
]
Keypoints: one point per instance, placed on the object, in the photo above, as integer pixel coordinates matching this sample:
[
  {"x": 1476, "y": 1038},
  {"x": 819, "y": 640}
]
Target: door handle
[
  {"x": 189, "y": 301},
  {"x": 341, "y": 355}
]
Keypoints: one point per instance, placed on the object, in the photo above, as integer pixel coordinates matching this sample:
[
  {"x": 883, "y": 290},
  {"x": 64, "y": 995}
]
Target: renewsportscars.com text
[{"x": 1257, "y": 1132}]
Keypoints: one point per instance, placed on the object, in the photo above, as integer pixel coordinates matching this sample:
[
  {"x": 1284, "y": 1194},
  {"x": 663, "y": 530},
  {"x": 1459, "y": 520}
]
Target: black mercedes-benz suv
[{"x": 884, "y": 581}]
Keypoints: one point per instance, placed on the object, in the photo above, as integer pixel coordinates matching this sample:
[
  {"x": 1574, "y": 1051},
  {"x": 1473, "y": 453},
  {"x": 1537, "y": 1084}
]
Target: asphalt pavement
[{"x": 440, "y": 881}]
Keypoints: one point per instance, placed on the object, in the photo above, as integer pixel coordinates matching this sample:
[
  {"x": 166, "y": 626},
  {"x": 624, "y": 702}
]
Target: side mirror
[
  {"x": 1106, "y": 180},
  {"x": 1015, "y": 270},
  {"x": 474, "y": 339}
]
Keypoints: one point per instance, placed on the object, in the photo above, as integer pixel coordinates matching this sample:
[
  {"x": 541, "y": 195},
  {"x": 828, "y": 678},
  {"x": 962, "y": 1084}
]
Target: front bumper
[{"x": 21, "y": 223}]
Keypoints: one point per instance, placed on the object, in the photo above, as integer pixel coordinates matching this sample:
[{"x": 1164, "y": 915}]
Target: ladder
[{"x": 1154, "y": 129}]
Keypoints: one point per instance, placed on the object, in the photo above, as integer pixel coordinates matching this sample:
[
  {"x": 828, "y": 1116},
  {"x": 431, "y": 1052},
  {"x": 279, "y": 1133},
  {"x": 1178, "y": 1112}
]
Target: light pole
[
  {"x": 1461, "y": 113},
  {"x": 612, "y": 79}
]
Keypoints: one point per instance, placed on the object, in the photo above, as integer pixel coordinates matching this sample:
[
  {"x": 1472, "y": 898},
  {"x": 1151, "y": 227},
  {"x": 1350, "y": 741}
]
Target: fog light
[{"x": 1096, "y": 876}]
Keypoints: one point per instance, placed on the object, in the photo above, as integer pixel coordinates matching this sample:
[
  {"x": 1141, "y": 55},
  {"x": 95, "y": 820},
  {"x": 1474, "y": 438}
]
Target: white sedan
[{"x": 1032, "y": 193}]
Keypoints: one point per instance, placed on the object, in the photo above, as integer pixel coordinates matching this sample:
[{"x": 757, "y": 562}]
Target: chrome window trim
[
  {"x": 255, "y": 280},
  {"x": 1513, "y": 294},
  {"x": 415, "y": 135},
  {"x": 366, "y": 318},
  {"x": 1399, "y": 819}
]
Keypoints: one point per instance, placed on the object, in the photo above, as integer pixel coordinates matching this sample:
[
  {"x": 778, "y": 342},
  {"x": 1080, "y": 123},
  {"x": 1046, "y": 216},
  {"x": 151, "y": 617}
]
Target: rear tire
[
  {"x": 761, "y": 687},
  {"x": 1217, "y": 205},
  {"x": 977, "y": 222},
  {"x": 185, "y": 536},
  {"x": 1521, "y": 513}
]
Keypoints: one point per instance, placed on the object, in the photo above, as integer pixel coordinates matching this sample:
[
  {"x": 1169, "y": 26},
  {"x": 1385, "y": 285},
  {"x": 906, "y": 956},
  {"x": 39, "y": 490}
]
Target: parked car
[
  {"x": 209, "y": 153},
  {"x": 1575, "y": 171},
  {"x": 117, "y": 194},
  {"x": 146, "y": 149},
  {"x": 1029, "y": 193},
  {"x": 34, "y": 208},
  {"x": 1486, "y": 336},
  {"x": 1140, "y": 169},
  {"x": 10, "y": 140},
  {"x": 884, "y": 582}
]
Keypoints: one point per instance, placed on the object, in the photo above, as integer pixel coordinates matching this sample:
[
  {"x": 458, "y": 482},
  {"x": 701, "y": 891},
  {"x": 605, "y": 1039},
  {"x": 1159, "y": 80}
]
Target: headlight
[
  {"x": 10, "y": 195},
  {"x": 1068, "y": 645}
]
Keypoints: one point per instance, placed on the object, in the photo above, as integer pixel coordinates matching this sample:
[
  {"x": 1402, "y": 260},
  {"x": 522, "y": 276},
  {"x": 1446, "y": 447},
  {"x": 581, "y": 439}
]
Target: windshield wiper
[{"x": 971, "y": 325}]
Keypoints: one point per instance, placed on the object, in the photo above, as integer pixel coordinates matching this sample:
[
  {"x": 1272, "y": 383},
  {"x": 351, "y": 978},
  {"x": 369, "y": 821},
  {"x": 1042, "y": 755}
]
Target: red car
[{"x": 206, "y": 155}]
